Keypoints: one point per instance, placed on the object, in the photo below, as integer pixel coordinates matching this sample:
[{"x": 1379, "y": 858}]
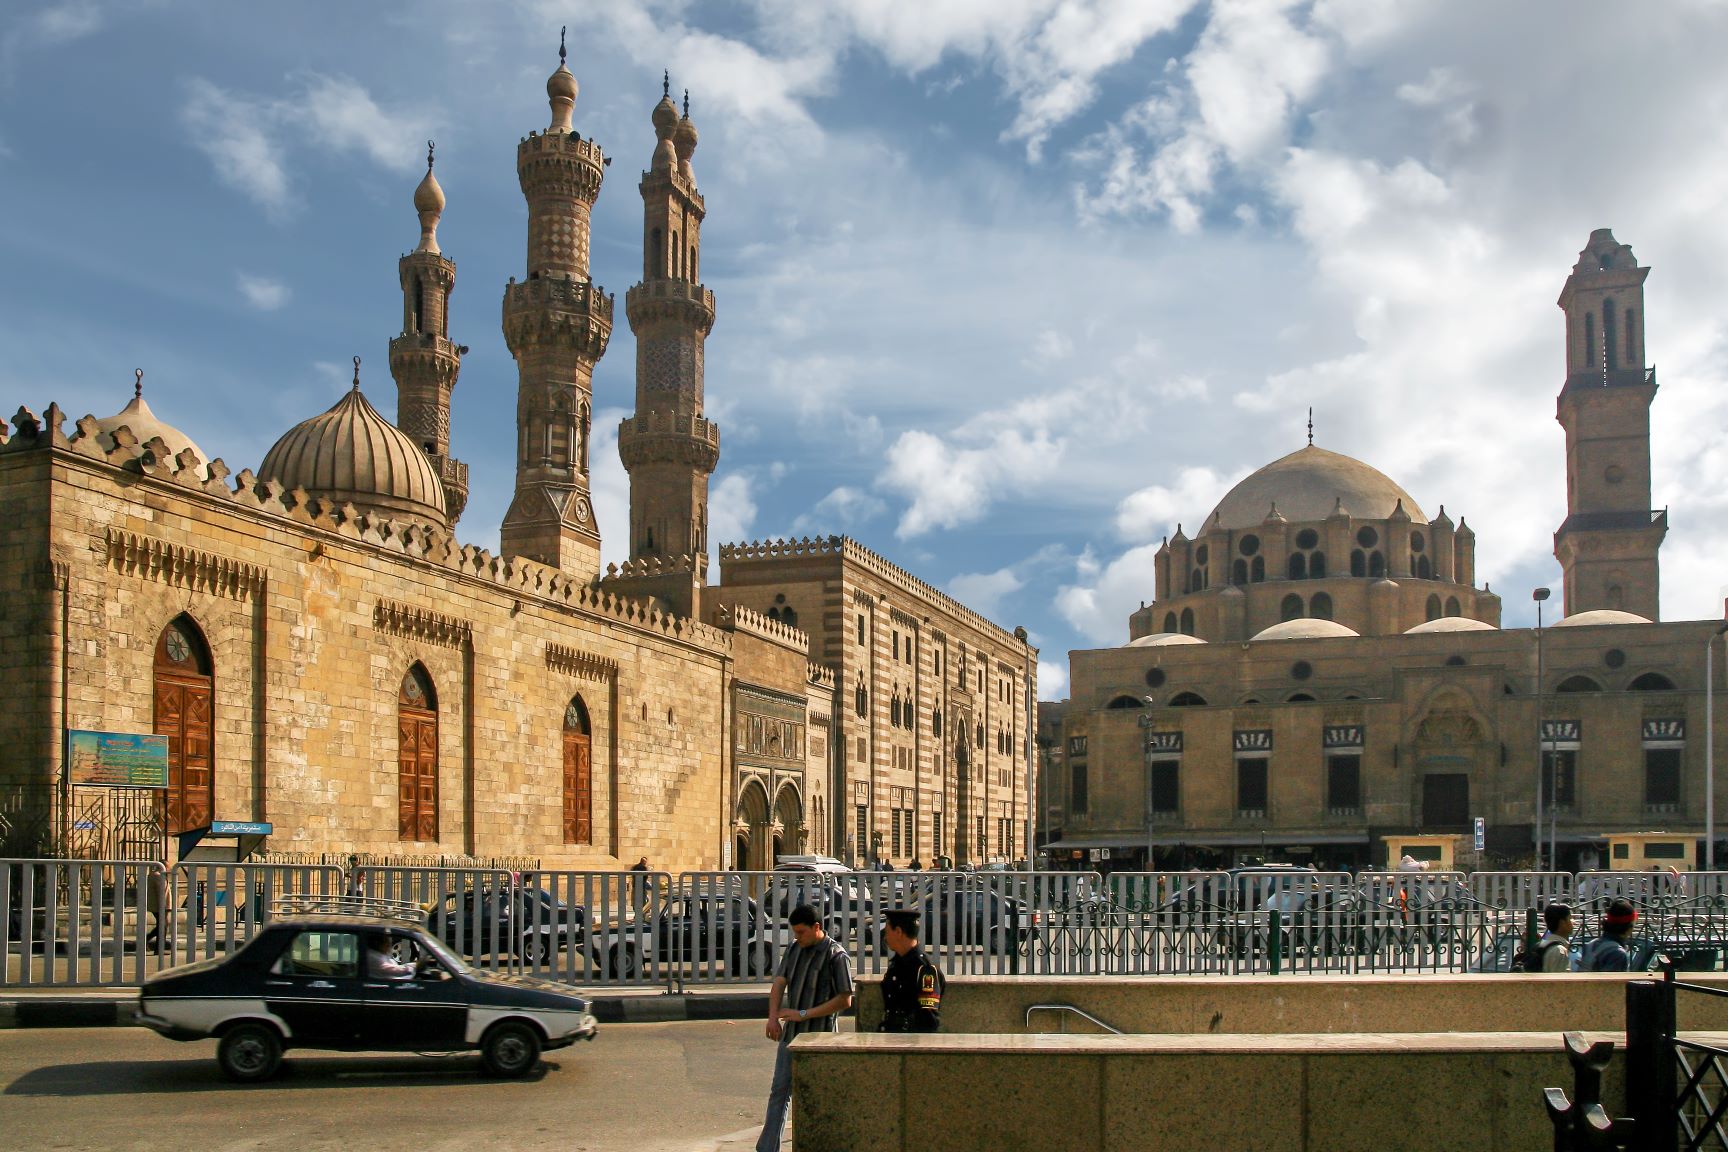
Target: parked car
[
  {"x": 692, "y": 931},
  {"x": 528, "y": 923},
  {"x": 301, "y": 982},
  {"x": 975, "y": 916},
  {"x": 848, "y": 912}
]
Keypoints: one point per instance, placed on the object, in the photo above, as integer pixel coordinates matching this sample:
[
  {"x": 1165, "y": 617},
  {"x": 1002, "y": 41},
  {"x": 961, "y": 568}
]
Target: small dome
[
  {"x": 1306, "y": 629},
  {"x": 665, "y": 115},
  {"x": 1600, "y": 616},
  {"x": 351, "y": 453},
  {"x": 137, "y": 418},
  {"x": 429, "y": 197},
  {"x": 1449, "y": 624},
  {"x": 1163, "y": 639},
  {"x": 1309, "y": 485},
  {"x": 561, "y": 85}
]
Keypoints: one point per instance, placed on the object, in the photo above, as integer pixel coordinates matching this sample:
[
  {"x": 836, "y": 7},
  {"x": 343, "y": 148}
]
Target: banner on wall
[{"x": 117, "y": 759}]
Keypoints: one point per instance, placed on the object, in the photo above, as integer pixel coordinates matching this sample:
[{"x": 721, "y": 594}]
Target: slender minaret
[
  {"x": 423, "y": 359},
  {"x": 1608, "y": 545},
  {"x": 668, "y": 447},
  {"x": 556, "y": 324}
]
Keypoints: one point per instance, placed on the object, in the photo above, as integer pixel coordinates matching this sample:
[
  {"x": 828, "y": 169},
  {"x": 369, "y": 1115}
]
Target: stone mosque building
[
  {"x": 1320, "y": 679},
  {"x": 325, "y": 658}
]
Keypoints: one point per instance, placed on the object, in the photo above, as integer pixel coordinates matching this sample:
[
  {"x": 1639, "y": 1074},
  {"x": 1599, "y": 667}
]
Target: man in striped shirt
[{"x": 812, "y": 987}]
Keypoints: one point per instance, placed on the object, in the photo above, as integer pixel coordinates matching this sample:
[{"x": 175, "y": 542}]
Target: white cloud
[
  {"x": 1099, "y": 603},
  {"x": 985, "y": 591},
  {"x": 731, "y": 511},
  {"x": 948, "y": 486},
  {"x": 1155, "y": 510},
  {"x": 338, "y": 114},
  {"x": 237, "y": 134},
  {"x": 63, "y": 23},
  {"x": 262, "y": 292},
  {"x": 1052, "y": 678},
  {"x": 842, "y": 511}
]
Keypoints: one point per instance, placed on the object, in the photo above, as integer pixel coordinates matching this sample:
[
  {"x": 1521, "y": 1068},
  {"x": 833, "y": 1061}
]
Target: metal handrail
[{"x": 1080, "y": 1012}]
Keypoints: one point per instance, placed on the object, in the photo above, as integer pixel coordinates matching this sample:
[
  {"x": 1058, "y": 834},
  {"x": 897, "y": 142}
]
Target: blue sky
[{"x": 1006, "y": 288}]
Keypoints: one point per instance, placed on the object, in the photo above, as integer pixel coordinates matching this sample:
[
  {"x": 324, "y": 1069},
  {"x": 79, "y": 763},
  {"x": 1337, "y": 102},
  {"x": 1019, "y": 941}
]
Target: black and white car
[{"x": 305, "y": 982}]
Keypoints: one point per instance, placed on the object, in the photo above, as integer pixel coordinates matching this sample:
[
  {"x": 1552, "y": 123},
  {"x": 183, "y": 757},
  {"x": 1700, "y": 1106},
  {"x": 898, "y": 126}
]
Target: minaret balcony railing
[
  {"x": 558, "y": 294},
  {"x": 670, "y": 424},
  {"x": 676, "y": 300},
  {"x": 425, "y": 342},
  {"x": 571, "y": 143}
]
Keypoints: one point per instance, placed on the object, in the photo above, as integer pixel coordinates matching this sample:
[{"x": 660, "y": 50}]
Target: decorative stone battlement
[
  {"x": 576, "y": 662},
  {"x": 693, "y": 565},
  {"x": 820, "y": 675},
  {"x": 744, "y": 619},
  {"x": 182, "y": 567},
  {"x": 516, "y": 576},
  {"x": 562, "y": 293},
  {"x": 656, "y": 300},
  {"x": 420, "y": 624}
]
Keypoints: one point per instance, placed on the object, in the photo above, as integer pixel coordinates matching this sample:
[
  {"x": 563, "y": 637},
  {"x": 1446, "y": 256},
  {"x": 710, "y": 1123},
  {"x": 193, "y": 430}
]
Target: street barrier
[
  {"x": 78, "y": 922},
  {"x": 213, "y": 909}
]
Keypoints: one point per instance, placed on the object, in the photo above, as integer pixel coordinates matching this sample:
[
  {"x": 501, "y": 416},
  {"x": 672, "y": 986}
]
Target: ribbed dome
[
  {"x": 1163, "y": 639},
  {"x": 351, "y": 453},
  {"x": 1449, "y": 624},
  {"x": 1306, "y": 629},
  {"x": 1599, "y": 616},
  {"x": 1307, "y": 485},
  {"x": 137, "y": 418}
]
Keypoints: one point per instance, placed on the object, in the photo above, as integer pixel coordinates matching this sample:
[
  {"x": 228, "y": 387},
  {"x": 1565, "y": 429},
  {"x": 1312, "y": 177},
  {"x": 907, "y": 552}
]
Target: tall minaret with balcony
[
  {"x": 668, "y": 447},
  {"x": 1607, "y": 547},
  {"x": 423, "y": 359},
  {"x": 556, "y": 324}
]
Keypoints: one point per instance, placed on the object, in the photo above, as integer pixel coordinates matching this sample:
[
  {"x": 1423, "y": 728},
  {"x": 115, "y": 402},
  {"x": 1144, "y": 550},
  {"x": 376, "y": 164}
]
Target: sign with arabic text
[{"x": 117, "y": 759}]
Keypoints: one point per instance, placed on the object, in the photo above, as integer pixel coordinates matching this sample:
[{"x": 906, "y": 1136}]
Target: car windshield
[{"x": 446, "y": 958}]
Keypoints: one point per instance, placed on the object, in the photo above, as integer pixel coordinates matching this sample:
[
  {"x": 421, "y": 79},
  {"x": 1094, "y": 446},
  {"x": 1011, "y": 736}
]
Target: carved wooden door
[
  {"x": 578, "y": 789},
  {"x": 182, "y": 713}
]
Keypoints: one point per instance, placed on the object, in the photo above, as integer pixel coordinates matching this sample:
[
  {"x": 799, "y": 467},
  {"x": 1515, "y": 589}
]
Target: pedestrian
[
  {"x": 917, "y": 864},
  {"x": 811, "y": 988},
  {"x": 1610, "y": 952},
  {"x": 639, "y": 887},
  {"x": 1553, "y": 950},
  {"x": 912, "y": 987}
]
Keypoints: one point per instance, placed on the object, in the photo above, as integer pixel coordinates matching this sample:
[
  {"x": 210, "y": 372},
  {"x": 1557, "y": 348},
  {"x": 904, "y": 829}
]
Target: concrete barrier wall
[
  {"x": 1269, "y": 1005},
  {"x": 1290, "y": 1093}
]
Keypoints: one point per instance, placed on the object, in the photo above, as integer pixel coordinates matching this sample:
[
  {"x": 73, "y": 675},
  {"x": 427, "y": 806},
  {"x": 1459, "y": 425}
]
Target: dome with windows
[
  {"x": 1600, "y": 616},
  {"x": 1449, "y": 624},
  {"x": 1307, "y": 485},
  {"x": 352, "y": 454},
  {"x": 1163, "y": 639},
  {"x": 1305, "y": 629}
]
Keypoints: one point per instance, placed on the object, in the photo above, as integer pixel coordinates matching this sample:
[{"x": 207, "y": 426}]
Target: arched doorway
[
  {"x": 750, "y": 824},
  {"x": 417, "y": 757},
  {"x": 183, "y": 684},
  {"x": 788, "y": 823},
  {"x": 578, "y": 774}
]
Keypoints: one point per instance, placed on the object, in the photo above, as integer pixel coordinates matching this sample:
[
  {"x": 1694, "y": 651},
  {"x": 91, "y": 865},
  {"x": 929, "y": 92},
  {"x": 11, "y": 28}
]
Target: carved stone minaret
[
  {"x": 556, "y": 324},
  {"x": 668, "y": 447},
  {"x": 1607, "y": 547},
  {"x": 423, "y": 359}
]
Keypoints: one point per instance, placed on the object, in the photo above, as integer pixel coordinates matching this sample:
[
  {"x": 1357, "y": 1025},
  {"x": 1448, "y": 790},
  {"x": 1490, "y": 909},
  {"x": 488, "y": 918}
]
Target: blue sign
[
  {"x": 1481, "y": 829},
  {"x": 117, "y": 759},
  {"x": 240, "y": 828}
]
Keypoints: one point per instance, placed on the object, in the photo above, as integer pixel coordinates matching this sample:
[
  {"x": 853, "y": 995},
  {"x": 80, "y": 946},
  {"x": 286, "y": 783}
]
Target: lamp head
[{"x": 1539, "y": 594}]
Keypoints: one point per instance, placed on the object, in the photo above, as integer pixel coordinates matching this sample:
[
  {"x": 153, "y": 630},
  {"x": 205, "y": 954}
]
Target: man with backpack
[
  {"x": 1553, "y": 950},
  {"x": 1611, "y": 952}
]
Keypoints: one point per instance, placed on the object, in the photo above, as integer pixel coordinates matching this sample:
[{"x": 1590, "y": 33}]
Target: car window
[{"x": 322, "y": 954}]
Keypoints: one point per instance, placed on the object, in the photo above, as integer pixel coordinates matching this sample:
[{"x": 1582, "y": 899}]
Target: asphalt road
[{"x": 637, "y": 1088}]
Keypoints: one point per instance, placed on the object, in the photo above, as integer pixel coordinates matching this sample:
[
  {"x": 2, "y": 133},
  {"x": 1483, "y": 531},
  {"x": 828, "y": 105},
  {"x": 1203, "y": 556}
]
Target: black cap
[{"x": 905, "y": 919}]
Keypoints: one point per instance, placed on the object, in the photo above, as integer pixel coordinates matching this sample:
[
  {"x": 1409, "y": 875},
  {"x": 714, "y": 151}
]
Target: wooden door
[
  {"x": 182, "y": 712},
  {"x": 578, "y": 788}
]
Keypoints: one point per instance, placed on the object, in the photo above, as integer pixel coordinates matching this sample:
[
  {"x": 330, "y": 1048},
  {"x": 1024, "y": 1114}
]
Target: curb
[{"x": 111, "y": 1010}]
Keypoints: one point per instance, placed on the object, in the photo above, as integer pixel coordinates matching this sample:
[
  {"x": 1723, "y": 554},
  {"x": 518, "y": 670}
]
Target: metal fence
[{"x": 116, "y": 922}]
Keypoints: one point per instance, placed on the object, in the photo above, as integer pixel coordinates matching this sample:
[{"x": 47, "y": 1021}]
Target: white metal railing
[{"x": 78, "y": 922}]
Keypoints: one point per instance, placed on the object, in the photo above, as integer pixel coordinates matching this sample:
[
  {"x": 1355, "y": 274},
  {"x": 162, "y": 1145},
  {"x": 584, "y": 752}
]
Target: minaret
[
  {"x": 556, "y": 324},
  {"x": 423, "y": 359},
  {"x": 1607, "y": 546},
  {"x": 668, "y": 447}
]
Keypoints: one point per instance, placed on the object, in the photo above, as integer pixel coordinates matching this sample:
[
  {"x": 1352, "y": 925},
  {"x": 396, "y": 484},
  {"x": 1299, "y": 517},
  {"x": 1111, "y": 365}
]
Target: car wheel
[
  {"x": 249, "y": 1052},
  {"x": 510, "y": 1050},
  {"x": 760, "y": 961},
  {"x": 625, "y": 964}
]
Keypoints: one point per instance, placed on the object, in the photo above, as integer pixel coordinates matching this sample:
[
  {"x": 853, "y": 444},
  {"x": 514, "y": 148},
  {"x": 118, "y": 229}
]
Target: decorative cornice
[
  {"x": 182, "y": 567},
  {"x": 574, "y": 661},
  {"x": 421, "y": 624}
]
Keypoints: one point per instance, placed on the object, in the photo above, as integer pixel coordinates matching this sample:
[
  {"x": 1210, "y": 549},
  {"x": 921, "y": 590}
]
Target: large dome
[
  {"x": 1307, "y": 485},
  {"x": 145, "y": 426},
  {"x": 353, "y": 454}
]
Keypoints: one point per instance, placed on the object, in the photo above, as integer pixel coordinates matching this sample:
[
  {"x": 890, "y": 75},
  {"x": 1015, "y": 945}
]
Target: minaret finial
[
  {"x": 686, "y": 103},
  {"x": 1310, "y": 427},
  {"x": 356, "y": 373},
  {"x": 561, "y": 32},
  {"x": 666, "y": 84},
  {"x": 430, "y": 145},
  {"x": 137, "y": 383}
]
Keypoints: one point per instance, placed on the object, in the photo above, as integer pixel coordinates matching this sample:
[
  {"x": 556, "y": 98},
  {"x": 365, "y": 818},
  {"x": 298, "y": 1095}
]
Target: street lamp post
[
  {"x": 1539, "y": 595},
  {"x": 1710, "y": 750}
]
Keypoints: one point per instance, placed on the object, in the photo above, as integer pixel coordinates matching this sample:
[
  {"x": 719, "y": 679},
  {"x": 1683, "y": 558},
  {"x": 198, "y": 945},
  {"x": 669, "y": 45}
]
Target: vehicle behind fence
[{"x": 96, "y": 922}]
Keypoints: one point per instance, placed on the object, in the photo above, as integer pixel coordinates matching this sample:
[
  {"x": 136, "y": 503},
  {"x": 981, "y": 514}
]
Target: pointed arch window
[
  {"x": 1358, "y": 562},
  {"x": 417, "y": 757},
  {"x": 1239, "y": 571},
  {"x": 1376, "y": 563},
  {"x": 183, "y": 688},
  {"x": 1589, "y": 340},
  {"x": 578, "y": 774},
  {"x": 1433, "y": 610},
  {"x": 1610, "y": 338},
  {"x": 1291, "y": 608},
  {"x": 1320, "y": 607},
  {"x": 1453, "y": 608},
  {"x": 1257, "y": 569},
  {"x": 1187, "y": 628},
  {"x": 1298, "y": 566},
  {"x": 1170, "y": 624}
]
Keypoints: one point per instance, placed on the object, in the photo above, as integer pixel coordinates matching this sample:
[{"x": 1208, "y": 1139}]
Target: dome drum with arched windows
[{"x": 1321, "y": 536}]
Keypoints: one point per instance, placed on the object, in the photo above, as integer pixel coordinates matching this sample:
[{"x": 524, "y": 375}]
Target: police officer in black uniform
[{"x": 912, "y": 986}]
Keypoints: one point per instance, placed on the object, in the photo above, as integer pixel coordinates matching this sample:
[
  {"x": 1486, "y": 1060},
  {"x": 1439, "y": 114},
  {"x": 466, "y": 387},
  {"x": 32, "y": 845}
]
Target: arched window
[
  {"x": 1433, "y": 609},
  {"x": 1239, "y": 571},
  {"x": 1376, "y": 563},
  {"x": 789, "y": 617},
  {"x": 1358, "y": 562},
  {"x": 183, "y": 685},
  {"x": 1632, "y": 360},
  {"x": 419, "y": 306},
  {"x": 1423, "y": 569},
  {"x": 1452, "y": 607},
  {"x": 1187, "y": 700},
  {"x": 1299, "y": 698},
  {"x": 1610, "y": 338},
  {"x": 1298, "y": 566},
  {"x": 1316, "y": 565},
  {"x": 894, "y": 713},
  {"x": 774, "y": 614},
  {"x": 1320, "y": 607},
  {"x": 1291, "y": 608},
  {"x": 658, "y": 247},
  {"x": 1590, "y": 339},
  {"x": 1578, "y": 684},
  {"x": 1198, "y": 580},
  {"x": 861, "y": 700},
  {"x": 1170, "y": 622},
  {"x": 1651, "y": 682},
  {"x": 936, "y": 722},
  {"x": 1187, "y": 621},
  {"x": 1124, "y": 702},
  {"x": 1257, "y": 570},
  {"x": 417, "y": 757},
  {"x": 979, "y": 739},
  {"x": 578, "y": 774}
]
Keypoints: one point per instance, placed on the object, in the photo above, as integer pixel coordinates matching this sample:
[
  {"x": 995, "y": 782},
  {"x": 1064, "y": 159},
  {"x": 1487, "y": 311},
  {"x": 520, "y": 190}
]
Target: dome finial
[
  {"x": 356, "y": 373},
  {"x": 666, "y": 84},
  {"x": 561, "y": 91},
  {"x": 429, "y": 203},
  {"x": 430, "y": 145},
  {"x": 561, "y": 32},
  {"x": 1310, "y": 426},
  {"x": 137, "y": 383},
  {"x": 686, "y": 103}
]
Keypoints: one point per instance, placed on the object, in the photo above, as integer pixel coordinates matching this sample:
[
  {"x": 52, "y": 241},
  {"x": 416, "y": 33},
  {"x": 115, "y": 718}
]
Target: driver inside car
[{"x": 381, "y": 964}]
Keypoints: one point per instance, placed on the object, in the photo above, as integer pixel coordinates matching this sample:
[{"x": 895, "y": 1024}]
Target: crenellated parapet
[
  {"x": 692, "y": 564},
  {"x": 742, "y": 619},
  {"x": 670, "y": 301},
  {"x": 820, "y": 675},
  {"x": 557, "y": 313},
  {"x": 669, "y": 437}
]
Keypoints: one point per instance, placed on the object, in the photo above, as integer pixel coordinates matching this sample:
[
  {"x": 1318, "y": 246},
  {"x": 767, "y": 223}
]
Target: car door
[
  {"x": 427, "y": 1011},
  {"x": 315, "y": 988}
]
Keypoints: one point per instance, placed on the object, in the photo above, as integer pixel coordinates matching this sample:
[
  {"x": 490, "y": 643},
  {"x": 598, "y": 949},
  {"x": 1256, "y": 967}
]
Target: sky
[{"x": 1006, "y": 289}]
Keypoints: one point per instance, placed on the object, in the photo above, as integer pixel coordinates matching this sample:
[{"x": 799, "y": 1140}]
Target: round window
[
  {"x": 1201, "y": 554},
  {"x": 1155, "y": 678},
  {"x": 1615, "y": 474},
  {"x": 1417, "y": 543},
  {"x": 1614, "y": 658},
  {"x": 1307, "y": 538},
  {"x": 1248, "y": 545},
  {"x": 1367, "y": 537},
  {"x": 1301, "y": 670}
]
